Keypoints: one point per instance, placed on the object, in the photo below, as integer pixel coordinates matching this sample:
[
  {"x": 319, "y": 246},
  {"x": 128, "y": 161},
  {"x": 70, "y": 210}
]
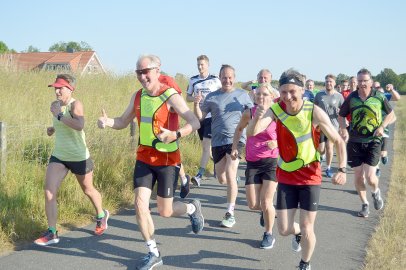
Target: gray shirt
[
  {"x": 330, "y": 104},
  {"x": 226, "y": 109}
]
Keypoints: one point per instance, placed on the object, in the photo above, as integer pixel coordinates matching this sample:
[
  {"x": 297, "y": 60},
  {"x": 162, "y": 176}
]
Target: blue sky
[{"x": 314, "y": 36}]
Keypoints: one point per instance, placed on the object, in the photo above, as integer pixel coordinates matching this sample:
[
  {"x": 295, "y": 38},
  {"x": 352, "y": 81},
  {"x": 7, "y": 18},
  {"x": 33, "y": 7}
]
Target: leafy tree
[
  {"x": 71, "y": 46},
  {"x": 388, "y": 76},
  {"x": 341, "y": 77},
  {"x": 31, "y": 49},
  {"x": 3, "y": 47}
]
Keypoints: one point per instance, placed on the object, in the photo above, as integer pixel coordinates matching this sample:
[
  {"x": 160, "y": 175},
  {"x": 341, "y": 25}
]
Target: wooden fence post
[{"x": 3, "y": 148}]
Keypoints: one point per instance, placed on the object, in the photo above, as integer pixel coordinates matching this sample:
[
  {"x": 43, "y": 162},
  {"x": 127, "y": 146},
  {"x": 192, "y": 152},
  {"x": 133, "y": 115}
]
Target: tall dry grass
[
  {"x": 25, "y": 106},
  {"x": 387, "y": 247}
]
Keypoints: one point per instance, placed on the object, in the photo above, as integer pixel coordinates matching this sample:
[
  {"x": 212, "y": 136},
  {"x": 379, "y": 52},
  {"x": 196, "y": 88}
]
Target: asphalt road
[{"x": 341, "y": 237}]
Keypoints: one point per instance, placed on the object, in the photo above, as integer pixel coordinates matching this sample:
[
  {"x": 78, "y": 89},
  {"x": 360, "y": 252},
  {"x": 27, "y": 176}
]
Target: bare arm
[
  {"x": 177, "y": 103},
  {"x": 389, "y": 119},
  {"x": 196, "y": 108},
  {"x": 263, "y": 117},
  {"x": 246, "y": 85},
  {"x": 77, "y": 122},
  {"x": 321, "y": 119},
  {"x": 395, "y": 94},
  {"x": 245, "y": 118},
  {"x": 342, "y": 121},
  {"x": 118, "y": 122},
  {"x": 190, "y": 98}
]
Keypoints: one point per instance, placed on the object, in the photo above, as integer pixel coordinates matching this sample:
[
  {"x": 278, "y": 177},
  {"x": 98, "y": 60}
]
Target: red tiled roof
[{"x": 28, "y": 61}]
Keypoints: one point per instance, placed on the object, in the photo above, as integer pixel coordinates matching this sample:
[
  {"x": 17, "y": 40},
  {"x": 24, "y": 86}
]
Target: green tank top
[{"x": 70, "y": 144}]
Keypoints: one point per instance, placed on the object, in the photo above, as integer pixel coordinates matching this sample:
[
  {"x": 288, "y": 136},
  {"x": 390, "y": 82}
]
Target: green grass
[
  {"x": 387, "y": 247},
  {"x": 25, "y": 107}
]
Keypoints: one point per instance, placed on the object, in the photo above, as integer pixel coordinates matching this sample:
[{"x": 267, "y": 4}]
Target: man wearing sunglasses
[{"x": 158, "y": 156}]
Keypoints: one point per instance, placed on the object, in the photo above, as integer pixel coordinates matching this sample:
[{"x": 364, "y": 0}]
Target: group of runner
[{"x": 285, "y": 135}]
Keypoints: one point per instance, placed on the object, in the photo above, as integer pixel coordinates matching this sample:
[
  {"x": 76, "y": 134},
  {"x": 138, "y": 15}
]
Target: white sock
[
  {"x": 190, "y": 208},
  {"x": 376, "y": 191},
  {"x": 183, "y": 179},
  {"x": 151, "y": 244},
  {"x": 230, "y": 208}
]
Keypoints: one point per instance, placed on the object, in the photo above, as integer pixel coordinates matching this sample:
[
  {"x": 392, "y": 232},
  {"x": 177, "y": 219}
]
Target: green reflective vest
[
  {"x": 300, "y": 128},
  {"x": 150, "y": 121}
]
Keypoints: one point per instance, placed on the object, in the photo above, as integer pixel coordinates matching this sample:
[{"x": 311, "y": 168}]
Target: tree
[
  {"x": 71, "y": 46},
  {"x": 31, "y": 49},
  {"x": 388, "y": 76},
  {"x": 3, "y": 47},
  {"x": 341, "y": 77}
]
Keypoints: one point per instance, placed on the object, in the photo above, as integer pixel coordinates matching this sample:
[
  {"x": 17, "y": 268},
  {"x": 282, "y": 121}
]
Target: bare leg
[
  {"x": 55, "y": 174},
  {"x": 86, "y": 183}
]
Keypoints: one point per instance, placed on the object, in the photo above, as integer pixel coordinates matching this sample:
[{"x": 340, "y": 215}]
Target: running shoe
[
  {"x": 364, "y": 210},
  {"x": 329, "y": 172},
  {"x": 197, "y": 219},
  {"x": 267, "y": 241},
  {"x": 296, "y": 242},
  {"x": 228, "y": 221},
  {"x": 47, "y": 238},
  {"x": 378, "y": 202},
  {"x": 101, "y": 223},
  {"x": 196, "y": 180},
  {"x": 304, "y": 266},
  {"x": 384, "y": 160},
  {"x": 150, "y": 261},
  {"x": 185, "y": 189}
]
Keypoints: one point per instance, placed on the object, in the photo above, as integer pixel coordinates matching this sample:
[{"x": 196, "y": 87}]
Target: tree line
[{"x": 385, "y": 77}]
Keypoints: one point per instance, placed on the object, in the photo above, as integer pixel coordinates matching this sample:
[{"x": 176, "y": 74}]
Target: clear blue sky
[{"x": 316, "y": 37}]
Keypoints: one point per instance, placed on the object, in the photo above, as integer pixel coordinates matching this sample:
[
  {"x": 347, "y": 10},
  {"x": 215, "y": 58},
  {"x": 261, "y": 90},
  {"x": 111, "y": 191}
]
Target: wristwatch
[
  {"x": 343, "y": 170},
  {"x": 59, "y": 116},
  {"x": 178, "y": 134}
]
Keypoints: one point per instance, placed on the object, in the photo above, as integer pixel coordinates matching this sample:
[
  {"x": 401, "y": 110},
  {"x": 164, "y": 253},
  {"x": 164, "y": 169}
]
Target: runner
[
  {"x": 299, "y": 170},
  {"x": 203, "y": 84},
  {"x": 329, "y": 101},
  {"x": 365, "y": 136},
  {"x": 158, "y": 156},
  {"x": 70, "y": 154},
  {"x": 226, "y": 106},
  {"x": 261, "y": 155}
]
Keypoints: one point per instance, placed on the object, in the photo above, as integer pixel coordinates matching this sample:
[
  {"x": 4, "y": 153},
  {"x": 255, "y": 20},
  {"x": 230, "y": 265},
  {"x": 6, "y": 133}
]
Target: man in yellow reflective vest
[
  {"x": 156, "y": 108},
  {"x": 299, "y": 171}
]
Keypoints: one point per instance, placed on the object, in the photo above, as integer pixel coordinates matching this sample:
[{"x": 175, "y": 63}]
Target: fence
[{"x": 3, "y": 148}]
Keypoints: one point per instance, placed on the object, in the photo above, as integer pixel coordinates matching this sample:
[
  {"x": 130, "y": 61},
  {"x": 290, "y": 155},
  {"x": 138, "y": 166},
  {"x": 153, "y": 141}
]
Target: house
[{"x": 83, "y": 62}]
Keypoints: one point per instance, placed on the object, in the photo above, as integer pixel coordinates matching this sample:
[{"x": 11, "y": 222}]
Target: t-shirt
[
  {"x": 330, "y": 104},
  {"x": 204, "y": 86},
  {"x": 308, "y": 95},
  {"x": 226, "y": 109},
  {"x": 366, "y": 116}
]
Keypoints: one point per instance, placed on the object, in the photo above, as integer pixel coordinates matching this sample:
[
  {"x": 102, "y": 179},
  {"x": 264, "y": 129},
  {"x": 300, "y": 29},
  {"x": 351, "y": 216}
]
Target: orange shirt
[{"x": 168, "y": 120}]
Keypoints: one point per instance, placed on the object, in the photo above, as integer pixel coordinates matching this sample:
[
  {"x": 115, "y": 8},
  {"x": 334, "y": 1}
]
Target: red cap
[{"x": 60, "y": 82}]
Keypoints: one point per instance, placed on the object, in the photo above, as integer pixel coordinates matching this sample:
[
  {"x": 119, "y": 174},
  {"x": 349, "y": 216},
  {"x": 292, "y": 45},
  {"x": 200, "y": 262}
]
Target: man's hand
[
  {"x": 339, "y": 178},
  {"x": 50, "y": 131},
  {"x": 102, "y": 121},
  {"x": 166, "y": 135}
]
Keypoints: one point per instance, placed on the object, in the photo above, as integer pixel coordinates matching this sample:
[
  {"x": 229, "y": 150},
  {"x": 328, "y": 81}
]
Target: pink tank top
[{"x": 257, "y": 146}]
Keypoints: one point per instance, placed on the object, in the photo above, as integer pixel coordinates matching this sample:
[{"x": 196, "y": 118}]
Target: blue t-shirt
[
  {"x": 226, "y": 109},
  {"x": 308, "y": 95}
]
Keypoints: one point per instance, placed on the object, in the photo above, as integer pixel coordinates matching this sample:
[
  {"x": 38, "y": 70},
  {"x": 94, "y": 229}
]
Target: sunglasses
[{"x": 144, "y": 71}]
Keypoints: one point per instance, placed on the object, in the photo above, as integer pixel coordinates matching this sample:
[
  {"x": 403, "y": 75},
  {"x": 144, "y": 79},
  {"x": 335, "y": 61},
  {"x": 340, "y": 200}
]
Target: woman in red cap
[{"x": 70, "y": 154}]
